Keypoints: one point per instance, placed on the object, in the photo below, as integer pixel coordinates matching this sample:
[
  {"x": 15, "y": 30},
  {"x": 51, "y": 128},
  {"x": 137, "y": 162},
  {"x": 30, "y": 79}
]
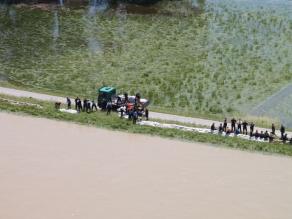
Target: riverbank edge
[{"x": 113, "y": 122}]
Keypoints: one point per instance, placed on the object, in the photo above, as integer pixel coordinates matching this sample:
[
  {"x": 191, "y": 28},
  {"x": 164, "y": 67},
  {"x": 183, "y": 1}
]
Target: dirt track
[
  {"x": 59, "y": 170},
  {"x": 153, "y": 115}
]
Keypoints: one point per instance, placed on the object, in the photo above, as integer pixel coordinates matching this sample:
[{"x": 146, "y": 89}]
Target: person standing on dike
[
  {"x": 244, "y": 127},
  {"x": 225, "y": 125},
  {"x": 251, "y": 129},
  {"x": 68, "y": 103},
  {"x": 273, "y": 129},
  {"x": 233, "y": 123}
]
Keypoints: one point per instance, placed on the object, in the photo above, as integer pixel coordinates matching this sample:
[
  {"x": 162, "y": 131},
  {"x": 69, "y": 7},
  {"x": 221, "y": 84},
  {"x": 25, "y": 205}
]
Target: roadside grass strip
[{"x": 13, "y": 102}]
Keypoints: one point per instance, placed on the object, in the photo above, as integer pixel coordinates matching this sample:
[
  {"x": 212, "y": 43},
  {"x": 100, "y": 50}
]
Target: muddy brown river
[{"x": 51, "y": 169}]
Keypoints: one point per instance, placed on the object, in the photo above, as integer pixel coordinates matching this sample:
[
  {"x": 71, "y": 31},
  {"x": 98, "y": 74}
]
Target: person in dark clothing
[
  {"x": 122, "y": 110},
  {"x": 273, "y": 129},
  {"x": 109, "y": 107},
  {"x": 225, "y": 125},
  {"x": 135, "y": 117},
  {"x": 239, "y": 124},
  {"x": 84, "y": 105},
  {"x": 220, "y": 128},
  {"x": 88, "y": 106},
  {"x": 233, "y": 122},
  {"x": 130, "y": 113},
  {"x": 237, "y": 131},
  {"x": 282, "y": 130},
  {"x": 146, "y": 114},
  {"x": 119, "y": 101},
  {"x": 213, "y": 127},
  {"x": 126, "y": 98},
  {"x": 79, "y": 105},
  {"x": 285, "y": 138},
  {"x": 244, "y": 127},
  {"x": 137, "y": 98},
  {"x": 140, "y": 113},
  {"x": 262, "y": 135},
  {"x": 256, "y": 135},
  {"x": 266, "y": 136},
  {"x": 76, "y": 103},
  {"x": 93, "y": 106},
  {"x": 68, "y": 103},
  {"x": 251, "y": 129}
]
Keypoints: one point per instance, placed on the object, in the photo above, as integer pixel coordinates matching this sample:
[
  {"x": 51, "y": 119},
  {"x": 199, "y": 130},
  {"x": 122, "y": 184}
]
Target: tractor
[{"x": 106, "y": 94}]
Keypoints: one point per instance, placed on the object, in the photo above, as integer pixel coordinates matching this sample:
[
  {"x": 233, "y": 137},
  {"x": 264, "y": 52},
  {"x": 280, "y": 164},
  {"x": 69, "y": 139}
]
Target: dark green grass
[{"x": 113, "y": 122}]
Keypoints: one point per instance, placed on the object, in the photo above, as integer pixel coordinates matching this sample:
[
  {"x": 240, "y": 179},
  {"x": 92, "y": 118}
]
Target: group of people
[
  {"x": 134, "y": 110},
  {"x": 241, "y": 127},
  {"x": 125, "y": 107},
  {"x": 87, "y": 105}
]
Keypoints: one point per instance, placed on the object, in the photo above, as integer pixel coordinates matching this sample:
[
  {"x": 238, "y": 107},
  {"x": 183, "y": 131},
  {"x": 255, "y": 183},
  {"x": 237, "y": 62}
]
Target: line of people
[
  {"x": 241, "y": 127},
  {"x": 87, "y": 105}
]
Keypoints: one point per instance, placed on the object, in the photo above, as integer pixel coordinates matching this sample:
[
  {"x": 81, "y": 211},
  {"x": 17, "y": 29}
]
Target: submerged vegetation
[
  {"x": 201, "y": 57},
  {"x": 33, "y": 107}
]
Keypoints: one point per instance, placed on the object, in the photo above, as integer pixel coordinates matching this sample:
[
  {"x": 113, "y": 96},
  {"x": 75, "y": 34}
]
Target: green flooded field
[{"x": 200, "y": 57}]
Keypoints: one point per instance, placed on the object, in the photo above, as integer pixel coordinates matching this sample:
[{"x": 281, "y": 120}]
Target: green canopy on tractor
[{"x": 105, "y": 94}]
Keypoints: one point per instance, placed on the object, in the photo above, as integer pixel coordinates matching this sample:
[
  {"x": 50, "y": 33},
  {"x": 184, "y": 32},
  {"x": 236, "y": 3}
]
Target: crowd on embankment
[
  {"x": 241, "y": 127},
  {"x": 133, "y": 111}
]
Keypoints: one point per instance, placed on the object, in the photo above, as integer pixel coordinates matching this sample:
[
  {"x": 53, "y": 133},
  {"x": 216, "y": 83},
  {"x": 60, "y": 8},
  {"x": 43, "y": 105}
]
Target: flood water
[{"x": 62, "y": 170}]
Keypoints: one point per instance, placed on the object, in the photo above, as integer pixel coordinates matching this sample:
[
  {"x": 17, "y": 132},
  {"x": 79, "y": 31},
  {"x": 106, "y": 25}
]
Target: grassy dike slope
[
  {"x": 222, "y": 59},
  {"x": 113, "y": 122}
]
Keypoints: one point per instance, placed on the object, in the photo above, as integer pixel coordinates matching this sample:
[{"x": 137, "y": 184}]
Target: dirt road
[
  {"x": 63, "y": 170},
  {"x": 153, "y": 115}
]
